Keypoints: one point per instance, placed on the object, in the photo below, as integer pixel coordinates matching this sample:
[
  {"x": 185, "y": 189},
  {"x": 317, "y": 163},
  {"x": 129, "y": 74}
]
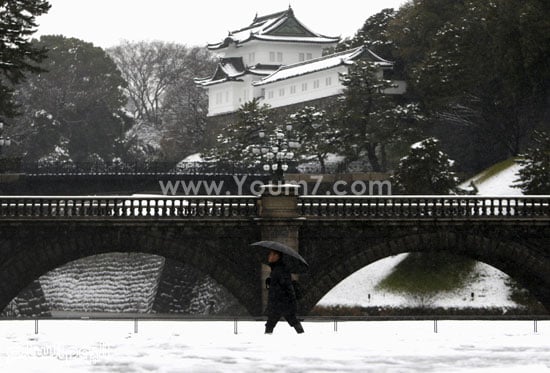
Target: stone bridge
[{"x": 336, "y": 235}]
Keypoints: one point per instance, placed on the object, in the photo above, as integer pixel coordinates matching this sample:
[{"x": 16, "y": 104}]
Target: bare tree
[{"x": 161, "y": 89}]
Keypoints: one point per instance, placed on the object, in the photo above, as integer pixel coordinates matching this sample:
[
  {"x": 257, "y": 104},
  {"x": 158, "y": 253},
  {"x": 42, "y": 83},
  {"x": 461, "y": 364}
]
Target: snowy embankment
[
  {"x": 174, "y": 346},
  {"x": 488, "y": 285}
]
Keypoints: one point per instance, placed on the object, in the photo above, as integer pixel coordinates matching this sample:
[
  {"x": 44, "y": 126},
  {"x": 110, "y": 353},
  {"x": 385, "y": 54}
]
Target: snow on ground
[
  {"x": 487, "y": 283},
  {"x": 356, "y": 346},
  {"x": 497, "y": 184},
  {"x": 196, "y": 157}
]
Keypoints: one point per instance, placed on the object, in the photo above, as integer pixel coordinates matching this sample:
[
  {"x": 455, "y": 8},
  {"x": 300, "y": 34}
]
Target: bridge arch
[
  {"x": 527, "y": 266},
  {"x": 216, "y": 251}
]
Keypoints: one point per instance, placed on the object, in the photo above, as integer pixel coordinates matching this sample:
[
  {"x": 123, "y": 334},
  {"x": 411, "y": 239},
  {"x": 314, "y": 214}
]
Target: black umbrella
[{"x": 294, "y": 262}]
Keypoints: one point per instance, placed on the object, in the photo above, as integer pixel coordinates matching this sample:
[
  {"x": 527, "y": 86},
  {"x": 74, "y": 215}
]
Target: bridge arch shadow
[
  {"x": 216, "y": 252},
  {"x": 334, "y": 256}
]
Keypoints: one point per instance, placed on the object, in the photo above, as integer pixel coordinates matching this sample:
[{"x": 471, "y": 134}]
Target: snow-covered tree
[
  {"x": 425, "y": 170},
  {"x": 58, "y": 157},
  {"x": 534, "y": 176},
  {"x": 18, "y": 55},
  {"x": 317, "y": 132},
  {"x": 43, "y": 135},
  {"x": 235, "y": 142},
  {"x": 374, "y": 35}
]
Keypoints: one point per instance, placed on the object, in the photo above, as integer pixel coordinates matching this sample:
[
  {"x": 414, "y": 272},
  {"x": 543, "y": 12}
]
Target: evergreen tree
[
  {"x": 372, "y": 120},
  {"x": 374, "y": 35},
  {"x": 426, "y": 170},
  {"x": 534, "y": 177},
  {"x": 235, "y": 142},
  {"x": 480, "y": 68},
  {"x": 17, "y": 54},
  {"x": 81, "y": 93},
  {"x": 317, "y": 132}
]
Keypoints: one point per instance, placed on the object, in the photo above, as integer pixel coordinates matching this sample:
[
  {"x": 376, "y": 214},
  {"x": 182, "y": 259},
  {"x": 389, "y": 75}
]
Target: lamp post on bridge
[
  {"x": 4, "y": 141},
  {"x": 279, "y": 202},
  {"x": 276, "y": 152}
]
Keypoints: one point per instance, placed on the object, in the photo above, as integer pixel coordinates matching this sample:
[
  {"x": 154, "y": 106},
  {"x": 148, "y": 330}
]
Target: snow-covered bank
[
  {"x": 487, "y": 284},
  {"x": 159, "y": 346},
  {"x": 496, "y": 180}
]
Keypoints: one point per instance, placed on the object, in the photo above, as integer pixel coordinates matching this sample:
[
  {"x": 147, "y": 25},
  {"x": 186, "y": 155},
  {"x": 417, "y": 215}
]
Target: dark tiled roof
[
  {"x": 231, "y": 69},
  {"x": 280, "y": 26}
]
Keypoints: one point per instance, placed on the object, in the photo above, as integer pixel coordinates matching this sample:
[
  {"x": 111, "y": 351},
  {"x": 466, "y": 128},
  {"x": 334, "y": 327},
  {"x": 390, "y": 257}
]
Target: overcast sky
[{"x": 197, "y": 22}]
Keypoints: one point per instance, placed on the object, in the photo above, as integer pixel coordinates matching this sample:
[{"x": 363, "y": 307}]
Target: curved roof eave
[
  {"x": 260, "y": 83},
  {"x": 221, "y": 81},
  {"x": 294, "y": 39}
]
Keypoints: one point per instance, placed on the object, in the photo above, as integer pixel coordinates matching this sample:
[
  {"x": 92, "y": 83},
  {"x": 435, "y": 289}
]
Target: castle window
[
  {"x": 304, "y": 87},
  {"x": 292, "y": 89},
  {"x": 251, "y": 58},
  {"x": 316, "y": 84},
  {"x": 270, "y": 94},
  {"x": 271, "y": 56},
  {"x": 328, "y": 81},
  {"x": 218, "y": 98},
  {"x": 309, "y": 56},
  {"x": 281, "y": 92},
  {"x": 301, "y": 57},
  {"x": 279, "y": 56}
]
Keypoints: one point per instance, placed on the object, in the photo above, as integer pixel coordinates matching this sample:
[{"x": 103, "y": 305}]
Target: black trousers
[{"x": 274, "y": 317}]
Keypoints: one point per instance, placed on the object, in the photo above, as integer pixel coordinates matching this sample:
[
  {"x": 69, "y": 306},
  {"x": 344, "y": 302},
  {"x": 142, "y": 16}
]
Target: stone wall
[{"x": 31, "y": 302}]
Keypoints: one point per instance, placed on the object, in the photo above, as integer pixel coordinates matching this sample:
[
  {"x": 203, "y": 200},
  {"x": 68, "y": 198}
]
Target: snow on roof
[
  {"x": 280, "y": 26},
  {"x": 229, "y": 69},
  {"x": 263, "y": 69},
  {"x": 297, "y": 39},
  {"x": 319, "y": 64}
]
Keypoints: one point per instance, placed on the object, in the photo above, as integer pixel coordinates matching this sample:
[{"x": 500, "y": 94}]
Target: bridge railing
[
  {"x": 117, "y": 207},
  {"x": 425, "y": 207},
  {"x": 371, "y": 207}
]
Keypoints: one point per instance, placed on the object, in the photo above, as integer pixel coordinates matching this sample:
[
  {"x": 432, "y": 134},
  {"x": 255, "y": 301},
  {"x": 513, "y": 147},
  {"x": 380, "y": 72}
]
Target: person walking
[{"x": 281, "y": 299}]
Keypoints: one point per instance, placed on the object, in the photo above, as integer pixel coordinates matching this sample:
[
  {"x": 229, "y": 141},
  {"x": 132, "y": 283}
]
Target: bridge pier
[{"x": 279, "y": 220}]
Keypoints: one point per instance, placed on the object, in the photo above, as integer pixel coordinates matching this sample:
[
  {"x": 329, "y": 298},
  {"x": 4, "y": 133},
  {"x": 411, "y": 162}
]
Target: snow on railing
[
  {"x": 369, "y": 207},
  {"x": 119, "y": 207},
  {"x": 425, "y": 207}
]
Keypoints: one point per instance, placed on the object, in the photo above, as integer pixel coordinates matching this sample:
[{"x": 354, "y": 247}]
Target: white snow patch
[
  {"x": 499, "y": 184},
  {"x": 178, "y": 346},
  {"x": 301, "y": 68},
  {"x": 197, "y": 157},
  {"x": 487, "y": 283}
]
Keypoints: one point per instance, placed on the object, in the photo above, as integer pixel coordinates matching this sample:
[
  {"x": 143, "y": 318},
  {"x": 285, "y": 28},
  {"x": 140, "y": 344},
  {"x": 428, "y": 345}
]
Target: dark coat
[{"x": 281, "y": 297}]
